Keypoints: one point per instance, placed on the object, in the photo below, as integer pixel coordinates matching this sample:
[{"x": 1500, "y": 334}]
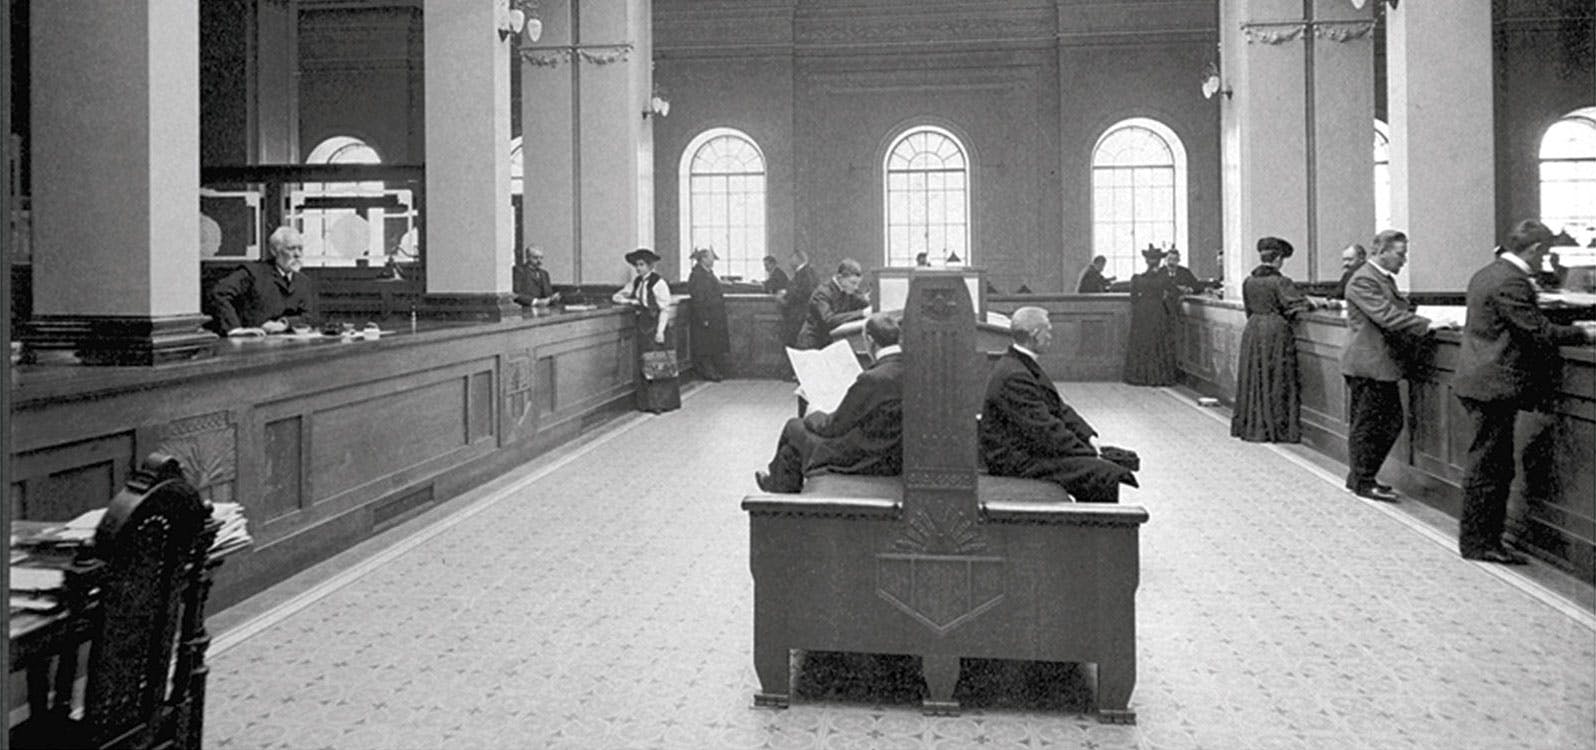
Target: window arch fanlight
[
  {"x": 927, "y": 201},
  {"x": 1382, "y": 176},
  {"x": 1568, "y": 181},
  {"x": 721, "y": 197},
  {"x": 1138, "y": 193},
  {"x": 334, "y": 234}
]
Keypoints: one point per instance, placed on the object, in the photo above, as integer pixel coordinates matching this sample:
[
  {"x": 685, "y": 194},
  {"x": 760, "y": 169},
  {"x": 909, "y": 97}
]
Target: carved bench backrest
[
  {"x": 941, "y": 398},
  {"x": 148, "y": 539}
]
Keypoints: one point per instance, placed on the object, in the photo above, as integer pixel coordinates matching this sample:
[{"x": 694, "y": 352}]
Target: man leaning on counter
[{"x": 267, "y": 296}]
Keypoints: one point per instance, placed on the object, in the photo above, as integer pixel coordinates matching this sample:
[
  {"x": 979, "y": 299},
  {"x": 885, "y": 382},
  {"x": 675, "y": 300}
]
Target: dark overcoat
[
  {"x": 1028, "y": 431},
  {"x": 865, "y": 434},
  {"x": 1509, "y": 346},
  {"x": 830, "y": 306},
  {"x": 258, "y": 292},
  {"x": 709, "y": 335}
]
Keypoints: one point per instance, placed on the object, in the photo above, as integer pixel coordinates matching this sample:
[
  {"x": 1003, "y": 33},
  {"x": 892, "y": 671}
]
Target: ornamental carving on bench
[{"x": 934, "y": 574}]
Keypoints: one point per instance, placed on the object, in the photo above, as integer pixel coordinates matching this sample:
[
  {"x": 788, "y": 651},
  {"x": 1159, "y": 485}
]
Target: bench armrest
[
  {"x": 822, "y": 507},
  {"x": 1063, "y": 514}
]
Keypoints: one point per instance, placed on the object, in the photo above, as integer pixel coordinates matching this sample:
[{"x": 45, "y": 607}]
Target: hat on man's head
[
  {"x": 642, "y": 253},
  {"x": 1279, "y": 247},
  {"x": 1153, "y": 253}
]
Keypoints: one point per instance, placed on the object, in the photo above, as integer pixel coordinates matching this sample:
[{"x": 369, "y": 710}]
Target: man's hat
[{"x": 642, "y": 253}]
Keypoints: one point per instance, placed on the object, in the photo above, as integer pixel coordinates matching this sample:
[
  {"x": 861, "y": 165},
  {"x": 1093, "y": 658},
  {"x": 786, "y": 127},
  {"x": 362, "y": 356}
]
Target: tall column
[
  {"x": 588, "y": 150},
  {"x": 1296, "y": 134},
  {"x": 468, "y": 224},
  {"x": 615, "y": 81},
  {"x": 1443, "y": 174},
  {"x": 116, "y": 179},
  {"x": 549, "y": 137}
]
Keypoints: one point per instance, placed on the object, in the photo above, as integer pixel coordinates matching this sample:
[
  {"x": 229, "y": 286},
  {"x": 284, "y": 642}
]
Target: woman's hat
[
  {"x": 703, "y": 252},
  {"x": 642, "y": 253},
  {"x": 1279, "y": 246},
  {"x": 1152, "y": 253}
]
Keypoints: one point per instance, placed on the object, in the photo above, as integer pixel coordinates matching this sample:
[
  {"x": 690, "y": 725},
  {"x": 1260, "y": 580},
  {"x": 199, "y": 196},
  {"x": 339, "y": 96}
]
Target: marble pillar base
[{"x": 120, "y": 340}]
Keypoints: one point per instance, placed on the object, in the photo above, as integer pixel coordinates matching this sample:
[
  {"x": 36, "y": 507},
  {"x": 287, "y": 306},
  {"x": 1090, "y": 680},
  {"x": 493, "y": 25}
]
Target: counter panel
[
  {"x": 323, "y": 442},
  {"x": 1552, "y": 511}
]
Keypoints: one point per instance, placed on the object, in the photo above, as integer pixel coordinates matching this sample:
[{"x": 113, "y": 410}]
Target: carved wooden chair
[
  {"x": 152, "y": 539},
  {"x": 944, "y": 563}
]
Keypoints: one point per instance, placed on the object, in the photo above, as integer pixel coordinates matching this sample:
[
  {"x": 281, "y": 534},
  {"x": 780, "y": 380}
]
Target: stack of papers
[
  {"x": 36, "y": 589},
  {"x": 234, "y": 533}
]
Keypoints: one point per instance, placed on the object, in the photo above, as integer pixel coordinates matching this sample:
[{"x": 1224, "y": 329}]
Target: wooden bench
[{"x": 950, "y": 564}]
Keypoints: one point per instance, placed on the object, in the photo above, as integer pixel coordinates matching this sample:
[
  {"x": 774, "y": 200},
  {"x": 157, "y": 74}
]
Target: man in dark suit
[
  {"x": 1352, "y": 258},
  {"x": 1509, "y": 362},
  {"x": 266, "y": 296},
  {"x": 775, "y": 279},
  {"x": 863, "y": 436},
  {"x": 1181, "y": 275},
  {"x": 1381, "y": 330},
  {"x": 1092, "y": 280},
  {"x": 836, "y": 302},
  {"x": 530, "y": 280},
  {"x": 1028, "y": 431},
  {"x": 795, "y": 301}
]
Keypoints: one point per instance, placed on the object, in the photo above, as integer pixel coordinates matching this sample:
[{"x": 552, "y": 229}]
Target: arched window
[
  {"x": 1138, "y": 193},
  {"x": 927, "y": 198},
  {"x": 1568, "y": 176},
  {"x": 722, "y": 197},
  {"x": 340, "y": 221},
  {"x": 1382, "y": 176}
]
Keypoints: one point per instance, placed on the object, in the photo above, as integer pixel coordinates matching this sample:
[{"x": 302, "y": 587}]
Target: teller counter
[
  {"x": 1552, "y": 516},
  {"x": 325, "y": 441}
]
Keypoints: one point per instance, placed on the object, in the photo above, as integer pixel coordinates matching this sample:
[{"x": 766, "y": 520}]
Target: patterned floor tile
[{"x": 609, "y": 606}]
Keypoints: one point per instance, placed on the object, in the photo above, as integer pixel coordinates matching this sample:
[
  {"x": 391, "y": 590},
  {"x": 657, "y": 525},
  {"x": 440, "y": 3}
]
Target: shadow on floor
[{"x": 887, "y": 679}]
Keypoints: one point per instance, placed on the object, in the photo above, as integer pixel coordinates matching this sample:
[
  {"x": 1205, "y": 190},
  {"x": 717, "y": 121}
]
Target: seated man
[
  {"x": 530, "y": 280},
  {"x": 266, "y": 295},
  {"x": 835, "y": 302},
  {"x": 1028, "y": 431},
  {"x": 864, "y": 435}
]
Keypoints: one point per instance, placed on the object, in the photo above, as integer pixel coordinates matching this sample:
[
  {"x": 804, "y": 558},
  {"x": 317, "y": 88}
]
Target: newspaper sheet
[{"x": 824, "y": 375}]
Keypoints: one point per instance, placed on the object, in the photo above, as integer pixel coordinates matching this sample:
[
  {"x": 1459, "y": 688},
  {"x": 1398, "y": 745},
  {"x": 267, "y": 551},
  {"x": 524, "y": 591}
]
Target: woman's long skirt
[
  {"x": 661, "y": 394},
  {"x": 1268, "y": 389}
]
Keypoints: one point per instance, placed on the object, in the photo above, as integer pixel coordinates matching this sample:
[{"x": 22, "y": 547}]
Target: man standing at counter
[
  {"x": 265, "y": 296},
  {"x": 1092, "y": 280},
  {"x": 1509, "y": 362},
  {"x": 837, "y": 301},
  {"x": 1381, "y": 328}
]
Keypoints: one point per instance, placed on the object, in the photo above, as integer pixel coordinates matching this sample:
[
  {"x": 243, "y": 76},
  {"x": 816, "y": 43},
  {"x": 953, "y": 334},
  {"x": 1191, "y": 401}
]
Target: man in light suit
[
  {"x": 863, "y": 436},
  {"x": 1381, "y": 329},
  {"x": 1028, "y": 431},
  {"x": 1509, "y": 362}
]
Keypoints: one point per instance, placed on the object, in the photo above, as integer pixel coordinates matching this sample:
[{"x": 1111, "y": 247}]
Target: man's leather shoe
[
  {"x": 1497, "y": 556},
  {"x": 1377, "y": 493},
  {"x": 762, "y": 478}
]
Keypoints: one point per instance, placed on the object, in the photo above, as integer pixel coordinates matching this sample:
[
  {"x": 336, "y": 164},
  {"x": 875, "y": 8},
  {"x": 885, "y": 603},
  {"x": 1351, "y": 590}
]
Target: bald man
[{"x": 1028, "y": 431}]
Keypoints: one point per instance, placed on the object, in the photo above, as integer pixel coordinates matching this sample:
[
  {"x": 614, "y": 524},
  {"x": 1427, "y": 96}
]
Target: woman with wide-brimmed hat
[
  {"x": 1150, "y": 352},
  {"x": 657, "y": 385}
]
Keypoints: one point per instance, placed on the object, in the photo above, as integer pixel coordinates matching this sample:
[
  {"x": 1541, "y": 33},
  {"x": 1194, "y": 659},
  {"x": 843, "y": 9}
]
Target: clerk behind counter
[{"x": 267, "y": 296}]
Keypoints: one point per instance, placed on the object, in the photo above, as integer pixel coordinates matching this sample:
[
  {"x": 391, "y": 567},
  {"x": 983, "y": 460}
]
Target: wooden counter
[
  {"x": 1556, "y": 521},
  {"x": 324, "y": 442}
]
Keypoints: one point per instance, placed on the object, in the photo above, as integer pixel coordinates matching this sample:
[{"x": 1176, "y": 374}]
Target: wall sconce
[
  {"x": 658, "y": 106},
  {"x": 1211, "y": 83},
  {"x": 1360, "y": 3},
  {"x": 520, "y": 19}
]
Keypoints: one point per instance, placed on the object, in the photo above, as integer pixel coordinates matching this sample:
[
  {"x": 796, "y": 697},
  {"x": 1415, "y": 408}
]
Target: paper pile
[{"x": 234, "y": 533}]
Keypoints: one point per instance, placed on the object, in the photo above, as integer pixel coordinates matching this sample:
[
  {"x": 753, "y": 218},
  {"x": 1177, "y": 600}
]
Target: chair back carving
[
  {"x": 148, "y": 539},
  {"x": 940, "y": 399}
]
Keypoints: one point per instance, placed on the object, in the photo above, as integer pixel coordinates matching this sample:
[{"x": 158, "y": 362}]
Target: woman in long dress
[
  {"x": 710, "y": 341},
  {"x": 651, "y": 295},
  {"x": 1268, "y": 390},
  {"x": 1150, "y": 353}
]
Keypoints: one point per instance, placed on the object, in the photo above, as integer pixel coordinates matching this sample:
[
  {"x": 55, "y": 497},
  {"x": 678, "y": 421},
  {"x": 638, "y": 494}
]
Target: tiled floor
[{"x": 600, "y": 598}]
